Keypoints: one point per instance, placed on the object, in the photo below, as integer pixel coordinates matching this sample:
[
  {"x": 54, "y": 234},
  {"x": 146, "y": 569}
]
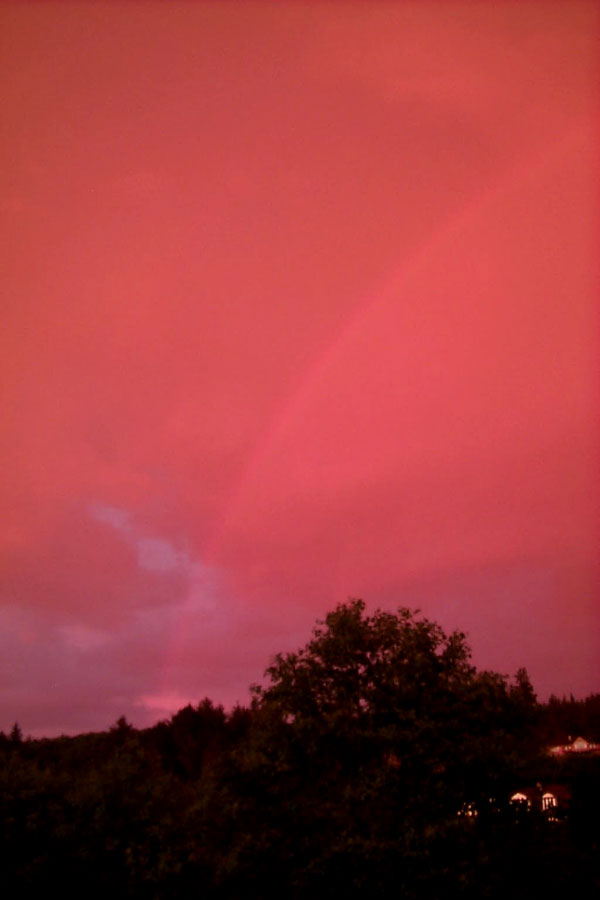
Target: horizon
[
  {"x": 229, "y": 709},
  {"x": 177, "y": 704},
  {"x": 300, "y": 305}
]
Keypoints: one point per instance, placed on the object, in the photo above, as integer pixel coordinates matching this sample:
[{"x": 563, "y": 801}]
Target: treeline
[
  {"x": 197, "y": 735},
  {"x": 562, "y": 720},
  {"x": 350, "y": 775}
]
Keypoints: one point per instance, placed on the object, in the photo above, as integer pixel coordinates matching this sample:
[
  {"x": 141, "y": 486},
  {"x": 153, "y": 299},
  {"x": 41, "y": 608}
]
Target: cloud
[
  {"x": 163, "y": 704},
  {"x": 159, "y": 555},
  {"x": 156, "y": 554},
  {"x": 81, "y": 637},
  {"x": 119, "y": 519},
  {"x": 89, "y": 630},
  {"x": 59, "y": 667}
]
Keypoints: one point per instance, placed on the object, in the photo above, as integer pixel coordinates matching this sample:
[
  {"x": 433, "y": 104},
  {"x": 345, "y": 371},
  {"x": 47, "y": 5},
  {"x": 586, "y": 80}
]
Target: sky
[{"x": 299, "y": 304}]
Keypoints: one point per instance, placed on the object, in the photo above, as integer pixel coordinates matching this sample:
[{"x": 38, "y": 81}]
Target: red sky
[{"x": 300, "y": 303}]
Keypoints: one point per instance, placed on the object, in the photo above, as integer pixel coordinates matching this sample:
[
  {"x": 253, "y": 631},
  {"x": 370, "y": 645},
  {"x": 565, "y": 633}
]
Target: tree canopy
[
  {"x": 358, "y": 665},
  {"x": 396, "y": 684},
  {"x": 365, "y": 745}
]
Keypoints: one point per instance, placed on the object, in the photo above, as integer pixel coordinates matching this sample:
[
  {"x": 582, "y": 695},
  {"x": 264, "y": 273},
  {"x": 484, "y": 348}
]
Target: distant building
[
  {"x": 579, "y": 745},
  {"x": 552, "y": 799}
]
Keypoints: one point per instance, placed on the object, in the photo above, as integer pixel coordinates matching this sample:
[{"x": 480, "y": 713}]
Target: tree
[
  {"x": 122, "y": 727},
  {"x": 359, "y": 667},
  {"x": 374, "y": 735},
  {"x": 393, "y": 684}
]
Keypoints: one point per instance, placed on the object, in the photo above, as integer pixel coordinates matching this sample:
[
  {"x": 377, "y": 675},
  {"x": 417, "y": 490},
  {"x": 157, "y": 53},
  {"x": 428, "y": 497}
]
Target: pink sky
[{"x": 300, "y": 303}]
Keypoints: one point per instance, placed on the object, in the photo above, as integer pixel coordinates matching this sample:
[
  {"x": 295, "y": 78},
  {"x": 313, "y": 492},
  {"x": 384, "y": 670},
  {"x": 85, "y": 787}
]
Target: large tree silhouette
[
  {"x": 367, "y": 743},
  {"x": 394, "y": 688}
]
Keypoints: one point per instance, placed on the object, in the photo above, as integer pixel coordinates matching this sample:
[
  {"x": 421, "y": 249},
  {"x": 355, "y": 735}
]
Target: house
[
  {"x": 551, "y": 799},
  {"x": 579, "y": 745}
]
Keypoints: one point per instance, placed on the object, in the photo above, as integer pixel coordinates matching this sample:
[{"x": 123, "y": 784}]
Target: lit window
[{"x": 520, "y": 799}]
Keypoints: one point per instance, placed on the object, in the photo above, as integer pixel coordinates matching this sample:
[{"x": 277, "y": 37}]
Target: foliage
[
  {"x": 345, "y": 778},
  {"x": 562, "y": 720},
  {"x": 374, "y": 734},
  {"x": 384, "y": 687}
]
